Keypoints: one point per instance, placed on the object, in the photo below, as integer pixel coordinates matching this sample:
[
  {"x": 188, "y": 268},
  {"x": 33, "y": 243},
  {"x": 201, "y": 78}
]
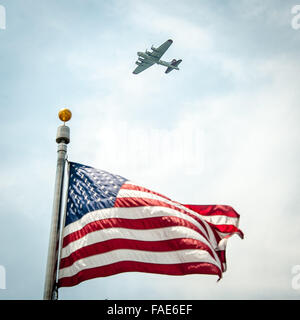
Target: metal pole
[{"x": 62, "y": 138}]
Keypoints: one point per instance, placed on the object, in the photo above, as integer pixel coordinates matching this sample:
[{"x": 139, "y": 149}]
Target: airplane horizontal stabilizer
[{"x": 174, "y": 63}]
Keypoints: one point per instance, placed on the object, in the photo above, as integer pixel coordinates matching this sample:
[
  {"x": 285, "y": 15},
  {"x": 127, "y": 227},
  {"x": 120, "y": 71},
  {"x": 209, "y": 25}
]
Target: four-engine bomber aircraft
[{"x": 147, "y": 59}]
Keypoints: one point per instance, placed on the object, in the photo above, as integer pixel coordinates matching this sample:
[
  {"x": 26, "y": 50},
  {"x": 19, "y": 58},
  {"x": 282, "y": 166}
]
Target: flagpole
[{"x": 62, "y": 139}]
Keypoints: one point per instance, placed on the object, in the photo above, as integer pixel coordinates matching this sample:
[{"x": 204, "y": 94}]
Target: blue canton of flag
[{"x": 89, "y": 190}]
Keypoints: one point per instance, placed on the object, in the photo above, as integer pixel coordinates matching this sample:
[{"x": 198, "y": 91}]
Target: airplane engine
[
  {"x": 138, "y": 63},
  {"x": 154, "y": 49}
]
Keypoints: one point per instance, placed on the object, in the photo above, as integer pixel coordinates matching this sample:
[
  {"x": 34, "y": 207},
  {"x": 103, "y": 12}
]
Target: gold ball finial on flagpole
[
  {"x": 65, "y": 114},
  {"x": 63, "y": 131}
]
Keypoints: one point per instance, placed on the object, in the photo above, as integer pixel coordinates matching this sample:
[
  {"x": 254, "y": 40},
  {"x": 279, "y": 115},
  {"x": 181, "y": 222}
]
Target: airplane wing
[
  {"x": 143, "y": 66},
  {"x": 158, "y": 52}
]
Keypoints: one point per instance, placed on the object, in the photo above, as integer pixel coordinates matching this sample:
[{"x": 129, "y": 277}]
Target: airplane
[{"x": 148, "y": 59}]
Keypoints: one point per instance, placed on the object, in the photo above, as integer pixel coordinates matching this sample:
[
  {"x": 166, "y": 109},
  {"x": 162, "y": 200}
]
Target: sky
[{"x": 224, "y": 129}]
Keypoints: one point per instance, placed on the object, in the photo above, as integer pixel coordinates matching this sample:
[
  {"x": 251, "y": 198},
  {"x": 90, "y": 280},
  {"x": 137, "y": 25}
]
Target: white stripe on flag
[
  {"x": 215, "y": 219},
  {"x": 159, "y": 234},
  {"x": 129, "y": 213},
  {"x": 170, "y": 257}
]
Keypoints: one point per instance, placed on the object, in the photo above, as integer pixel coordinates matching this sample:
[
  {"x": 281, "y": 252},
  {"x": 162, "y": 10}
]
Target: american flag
[{"x": 113, "y": 225}]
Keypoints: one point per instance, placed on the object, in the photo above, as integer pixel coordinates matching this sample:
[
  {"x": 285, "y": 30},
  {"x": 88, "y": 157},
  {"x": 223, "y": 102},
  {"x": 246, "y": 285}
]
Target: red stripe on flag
[
  {"x": 230, "y": 229},
  {"x": 139, "y": 224},
  {"x": 133, "y": 266},
  {"x": 144, "y": 202},
  {"x": 222, "y": 256},
  {"x": 218, "y": 210},
  {"x": 114, "y": 244},
  {"x": 213, "y": 210},
  {"x": 129, "y": 186}
]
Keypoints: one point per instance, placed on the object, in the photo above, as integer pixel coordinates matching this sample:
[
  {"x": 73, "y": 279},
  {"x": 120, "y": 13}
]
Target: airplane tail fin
[{"x": 174, "y": 63}]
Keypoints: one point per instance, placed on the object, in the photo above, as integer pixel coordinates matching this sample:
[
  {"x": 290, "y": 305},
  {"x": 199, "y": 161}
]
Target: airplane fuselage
[{"x": 148, "y": 56}]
